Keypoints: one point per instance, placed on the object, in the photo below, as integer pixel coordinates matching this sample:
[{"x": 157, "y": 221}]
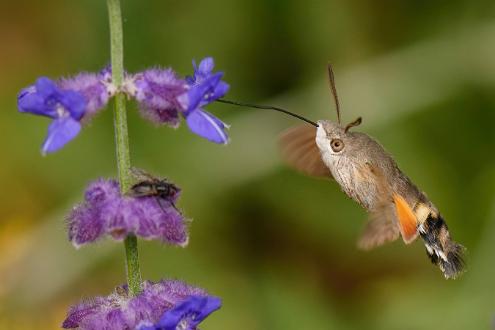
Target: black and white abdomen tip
[{"x": 441, "y": 249}]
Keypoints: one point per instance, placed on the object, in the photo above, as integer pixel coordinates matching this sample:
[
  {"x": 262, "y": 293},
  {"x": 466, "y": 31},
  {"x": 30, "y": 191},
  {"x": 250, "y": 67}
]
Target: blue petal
[
  {"x": 206, "y": 66},
  {"x": 220, "y": 90},
  {"x": 190, "y": 80},
  {"x": 198, "y": 92},
  {"x": 208, "y": 126},
  {"x": 74, "y": 102},
  {"x": 189, "y": 313},
  {"x": 60, "y": 132},
  {"x": 44, "y": 97},
  {"x": 31, "y": 101},
  {"x": 46, "y": 87}
]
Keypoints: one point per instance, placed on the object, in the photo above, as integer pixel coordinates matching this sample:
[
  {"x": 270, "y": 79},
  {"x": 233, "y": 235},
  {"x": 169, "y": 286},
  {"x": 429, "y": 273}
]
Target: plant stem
[{"x": 122, "y": 138}]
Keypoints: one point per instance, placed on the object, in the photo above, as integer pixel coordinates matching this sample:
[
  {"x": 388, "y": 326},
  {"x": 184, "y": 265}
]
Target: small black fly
[{"x": 148, "y": 186}]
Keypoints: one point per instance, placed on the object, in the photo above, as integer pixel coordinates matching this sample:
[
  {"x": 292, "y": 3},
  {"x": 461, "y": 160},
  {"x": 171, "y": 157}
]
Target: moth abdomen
[{"x": 441, "y": 249}]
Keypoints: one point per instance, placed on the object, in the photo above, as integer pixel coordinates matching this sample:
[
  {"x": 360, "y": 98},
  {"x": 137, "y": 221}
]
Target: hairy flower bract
[
  {"x": 105, "y": 212},
  {"x": 119, "y": 311}
]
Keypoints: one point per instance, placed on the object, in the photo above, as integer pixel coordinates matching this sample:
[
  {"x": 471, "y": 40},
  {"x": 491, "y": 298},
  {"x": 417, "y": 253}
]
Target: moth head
[{"x": 333, "y": 139}]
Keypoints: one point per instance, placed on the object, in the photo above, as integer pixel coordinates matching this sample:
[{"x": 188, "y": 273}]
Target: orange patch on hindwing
[{"x": 407, "y": 220}]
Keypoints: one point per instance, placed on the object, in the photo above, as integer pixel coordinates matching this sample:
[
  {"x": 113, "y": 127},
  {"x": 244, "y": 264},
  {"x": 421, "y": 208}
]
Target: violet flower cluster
[
  {"x": 166, "y": 305},
  {"x": 163, "y": 98}
]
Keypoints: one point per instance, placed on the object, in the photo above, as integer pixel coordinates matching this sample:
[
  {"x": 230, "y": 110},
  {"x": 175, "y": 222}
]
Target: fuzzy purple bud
[
  {"x": 105, "y": 212},
  {"x": 157, "y": 92},
  {"x": 95, "y": 89},
  {"x": 119, "y": 311}
]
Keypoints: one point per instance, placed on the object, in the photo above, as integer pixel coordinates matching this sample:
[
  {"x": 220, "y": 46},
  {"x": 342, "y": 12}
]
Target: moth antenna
[
  {"x": 331, "y": 79},
  {"x": 354, "y": 123},
  {"x": 268, "y": 107}
]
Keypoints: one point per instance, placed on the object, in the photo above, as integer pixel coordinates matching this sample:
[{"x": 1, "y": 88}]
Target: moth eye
[{"x": 337, "y": 145}]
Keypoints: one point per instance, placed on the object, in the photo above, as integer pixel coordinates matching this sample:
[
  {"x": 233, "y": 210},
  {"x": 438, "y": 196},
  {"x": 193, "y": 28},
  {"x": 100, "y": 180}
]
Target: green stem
[{"x": 122, "y": 137}]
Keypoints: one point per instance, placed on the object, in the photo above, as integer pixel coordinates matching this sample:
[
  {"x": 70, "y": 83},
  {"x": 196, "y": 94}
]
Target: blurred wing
[
  {"x": 141, "y": 175},
  {"x": 382, "y": 226},
  {"x": 300, "y": 151}
]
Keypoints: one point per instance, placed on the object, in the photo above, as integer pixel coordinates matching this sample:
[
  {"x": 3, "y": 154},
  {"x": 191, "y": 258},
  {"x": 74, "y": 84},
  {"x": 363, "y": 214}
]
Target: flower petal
[
  {"x": 206, "y": 66},
  {"x": 198, "y": 92},
  {"x": 74, "y": 102},
  {"x": 208, "y": 126},
  {"x": 45, "y": 98},
  {"x": 46, "y": 87},
  {"x": 60, "y": 132},
  {"x": 188, "y": 314},
  {"x": 220, "y": 90},
  {"x": 30, "y": 101}
]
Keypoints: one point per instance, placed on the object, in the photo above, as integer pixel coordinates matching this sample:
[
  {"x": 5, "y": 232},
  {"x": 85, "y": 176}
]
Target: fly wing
[
  {"x": 142, "y": 175},
  {"x": 300, "y": 151}
]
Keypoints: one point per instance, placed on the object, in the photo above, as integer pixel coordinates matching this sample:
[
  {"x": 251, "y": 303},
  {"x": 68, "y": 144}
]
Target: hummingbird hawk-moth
[{"x": 370, "y": 176}]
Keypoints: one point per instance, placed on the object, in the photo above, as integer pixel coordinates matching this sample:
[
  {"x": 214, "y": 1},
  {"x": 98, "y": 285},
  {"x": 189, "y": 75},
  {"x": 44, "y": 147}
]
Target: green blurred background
[{"x": 278, "y": 247}]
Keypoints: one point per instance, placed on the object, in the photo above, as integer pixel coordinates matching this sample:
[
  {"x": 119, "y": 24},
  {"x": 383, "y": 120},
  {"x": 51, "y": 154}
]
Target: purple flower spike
[
  {"x": 65, "y": 107},
  {"x": 96, "y": 89},
  {"x": 157, "y": 92},
  {"x": 119, "y": 311},
  {"x": 204, "y": 88},
  {"x": 105, "y": 212},
  {"x": 187, "y": 315}
]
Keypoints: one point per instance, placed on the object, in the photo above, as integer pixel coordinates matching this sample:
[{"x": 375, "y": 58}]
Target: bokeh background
[{"x": 277, "y": 246}]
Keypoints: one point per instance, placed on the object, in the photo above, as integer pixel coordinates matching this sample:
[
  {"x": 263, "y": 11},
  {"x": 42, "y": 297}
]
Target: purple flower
[
  {"x": 119, "y": 311},
  {"x": 106, "y": 212},
  {"x": 157, "y": 92},
  {"x": 204, "y": 88},
  {"x": 68, "y": 102},
  {"x": 163, "y": 97},
  {"x": 187, "y": 315},
  {"x": 65, "y": 107}
]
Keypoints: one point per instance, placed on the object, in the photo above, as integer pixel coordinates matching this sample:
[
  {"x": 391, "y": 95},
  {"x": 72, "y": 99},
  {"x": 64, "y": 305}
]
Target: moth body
[{"x": 370, "y": 176}]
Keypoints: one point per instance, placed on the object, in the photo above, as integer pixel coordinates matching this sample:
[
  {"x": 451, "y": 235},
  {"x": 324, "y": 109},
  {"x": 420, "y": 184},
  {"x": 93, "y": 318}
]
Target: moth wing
[
  {"x": 381, "y": 227},
  {"x": 408, "y": 223},
  {"x": 300, "y": 151},
  {"x": 392, "y": 208}
]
